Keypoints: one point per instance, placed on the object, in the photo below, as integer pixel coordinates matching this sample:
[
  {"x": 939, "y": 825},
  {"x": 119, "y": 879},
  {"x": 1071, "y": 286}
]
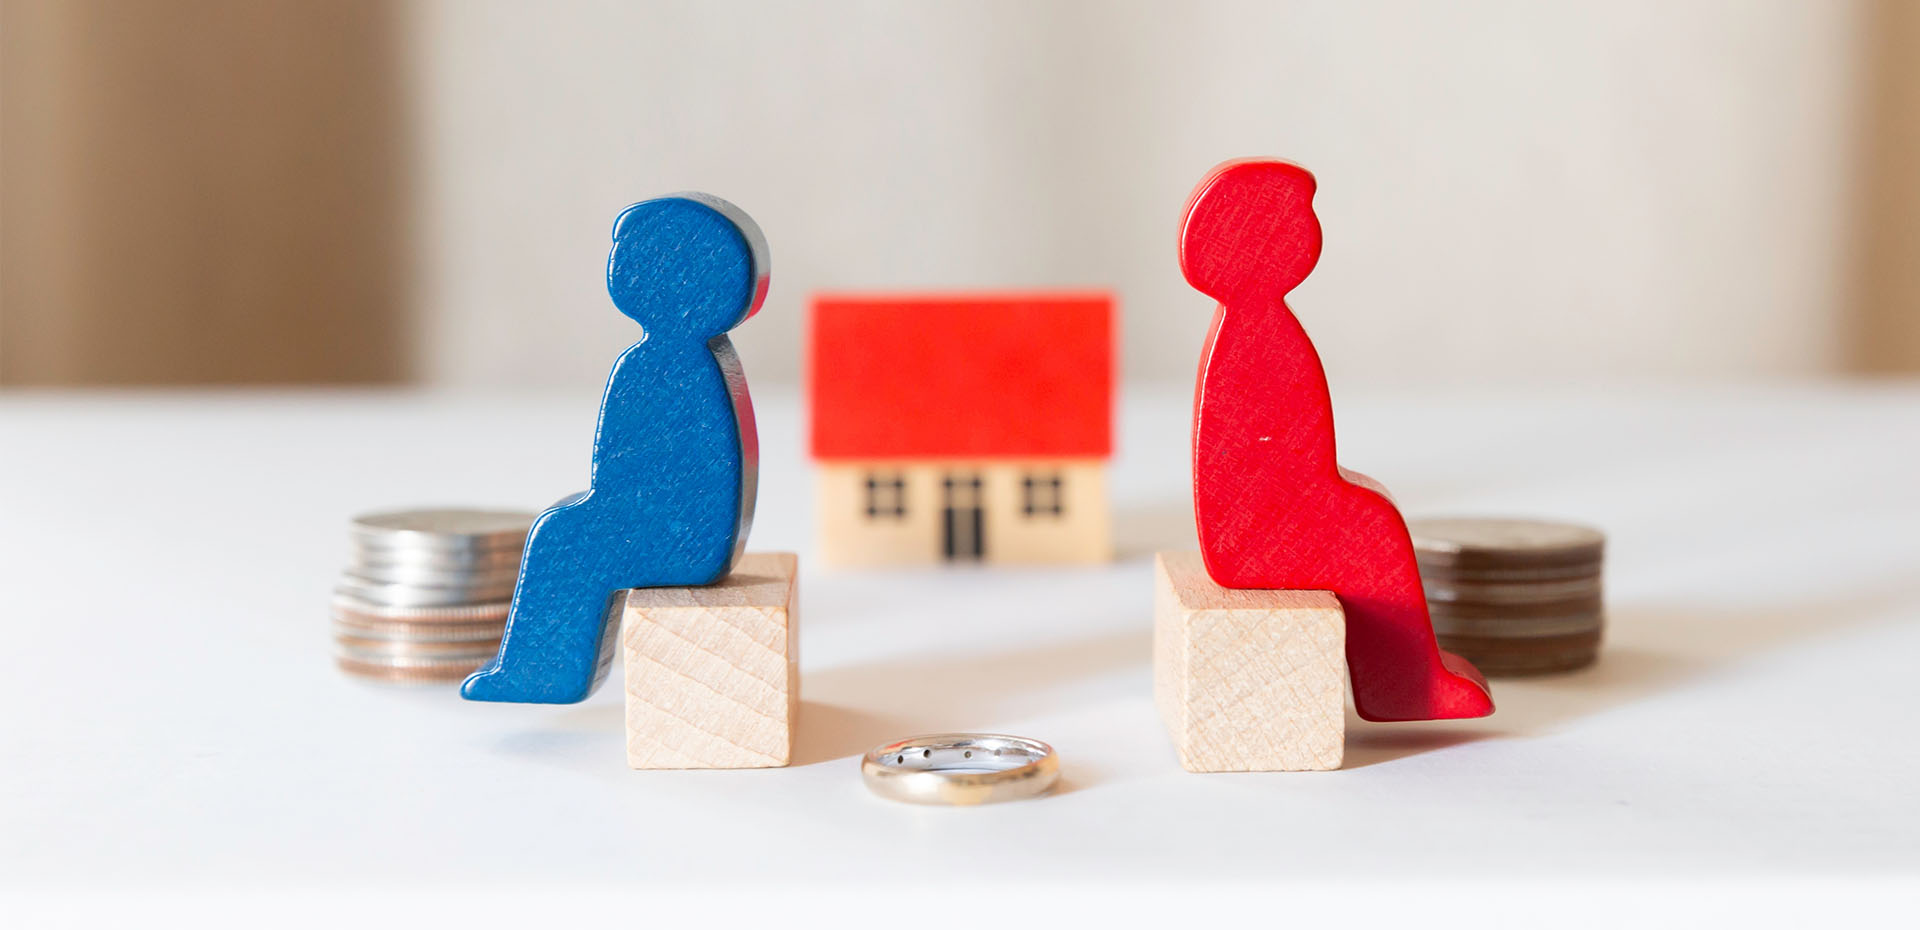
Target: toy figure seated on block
[
  {"x": 1301, "y": 561},
  {"x": 670, "y": 495},
  {"x": 968, "y": 427},
  {"x": 1273, "y": 506},
  {"x": 712, "y": 675},
  {"x": 1247, "y": 680}
]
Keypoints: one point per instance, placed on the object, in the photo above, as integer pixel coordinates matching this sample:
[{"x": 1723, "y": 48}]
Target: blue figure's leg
[{"x": 559, "y": 639}]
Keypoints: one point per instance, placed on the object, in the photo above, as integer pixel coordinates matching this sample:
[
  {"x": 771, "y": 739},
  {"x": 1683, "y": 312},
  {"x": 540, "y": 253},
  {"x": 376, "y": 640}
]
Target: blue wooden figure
[{"x": 672, "y": 486}]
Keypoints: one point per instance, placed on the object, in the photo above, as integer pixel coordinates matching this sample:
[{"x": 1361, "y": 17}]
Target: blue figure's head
[{"x": 687, "y": 267}]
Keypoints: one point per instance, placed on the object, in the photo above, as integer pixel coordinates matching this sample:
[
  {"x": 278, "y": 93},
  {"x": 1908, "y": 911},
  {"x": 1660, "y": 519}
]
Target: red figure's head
[{"x": 1250, "y": 230}]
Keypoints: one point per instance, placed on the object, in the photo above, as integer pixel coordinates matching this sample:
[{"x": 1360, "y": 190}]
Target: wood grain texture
[
  {"x": 913, "y": 531},
  {"x": 1247, "y": 680},
  {"x": 713, "y": 678},
  {"x": 1273, "y": 507},
  {"x": 674, "y": 458}
]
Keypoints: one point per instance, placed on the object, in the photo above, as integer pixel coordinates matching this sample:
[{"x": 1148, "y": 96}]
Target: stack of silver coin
[
  {"x": 424, "y": 598},
  {"x": 1514, "y": 597}
]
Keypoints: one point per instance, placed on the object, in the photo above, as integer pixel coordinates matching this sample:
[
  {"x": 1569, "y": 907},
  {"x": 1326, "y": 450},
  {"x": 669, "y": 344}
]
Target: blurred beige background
[{"x": 229, "y": 191}]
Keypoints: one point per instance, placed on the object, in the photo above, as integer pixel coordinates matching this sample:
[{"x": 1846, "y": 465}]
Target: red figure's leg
[
  {"x": 1349, "y": 539},
  {"x": 1399, "y": 671}
]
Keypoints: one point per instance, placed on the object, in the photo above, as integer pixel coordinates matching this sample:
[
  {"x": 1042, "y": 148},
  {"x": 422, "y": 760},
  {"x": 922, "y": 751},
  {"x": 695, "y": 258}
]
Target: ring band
[{"x": 961, "y": 769}]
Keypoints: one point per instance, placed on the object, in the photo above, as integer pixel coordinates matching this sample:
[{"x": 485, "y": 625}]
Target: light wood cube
[
  {"x": 1247, "y": 680},
  {"x": 713, "y": 680}
]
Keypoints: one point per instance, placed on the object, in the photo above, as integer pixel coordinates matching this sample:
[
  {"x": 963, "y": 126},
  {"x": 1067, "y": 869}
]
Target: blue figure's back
[{"x": 674, "y": 457}]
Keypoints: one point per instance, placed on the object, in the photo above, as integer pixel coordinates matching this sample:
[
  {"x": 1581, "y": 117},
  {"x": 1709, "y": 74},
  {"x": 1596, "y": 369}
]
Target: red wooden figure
[{"x": 1274, "y": 508}]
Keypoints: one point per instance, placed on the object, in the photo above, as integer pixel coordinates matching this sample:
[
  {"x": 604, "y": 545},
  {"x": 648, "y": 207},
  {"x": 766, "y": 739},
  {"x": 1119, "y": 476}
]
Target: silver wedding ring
[{"x": 961, "y": 769}]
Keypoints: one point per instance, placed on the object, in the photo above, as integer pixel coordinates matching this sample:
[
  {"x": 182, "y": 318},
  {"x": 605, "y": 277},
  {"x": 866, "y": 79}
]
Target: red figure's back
[{"x": 1274, "y": 508}]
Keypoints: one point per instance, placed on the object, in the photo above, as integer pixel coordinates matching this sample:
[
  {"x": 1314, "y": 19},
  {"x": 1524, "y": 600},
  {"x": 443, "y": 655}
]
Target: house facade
[{"x": 963, "y": 428}]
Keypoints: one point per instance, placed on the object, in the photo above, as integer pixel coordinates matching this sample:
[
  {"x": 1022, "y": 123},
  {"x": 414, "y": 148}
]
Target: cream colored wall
[
  {"x": 848, "y": 538},
  {"x": 1083, "y": 532},
  {"x": 1511, "y": 190}
]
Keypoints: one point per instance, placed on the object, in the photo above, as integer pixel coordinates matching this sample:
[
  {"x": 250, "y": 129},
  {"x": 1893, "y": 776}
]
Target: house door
[{"x": 962, "y": 518}]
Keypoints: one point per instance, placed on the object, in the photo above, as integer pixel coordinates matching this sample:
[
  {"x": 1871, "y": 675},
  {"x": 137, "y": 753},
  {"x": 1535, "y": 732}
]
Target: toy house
[{"x": 970, "y": 427}]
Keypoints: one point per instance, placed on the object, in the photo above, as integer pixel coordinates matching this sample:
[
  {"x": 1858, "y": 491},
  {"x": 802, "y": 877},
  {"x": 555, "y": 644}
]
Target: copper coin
[
  {"x": 430, "y": 675},
  {"x": 470, "y": 659},
  {"x": 1476, "y": 544},
  {"x": 1528, "y": 626},
  {"x": 1498, "y": 657},
  {"x": 1514, "y": 597},
  {"x": 383, "y": 650},
  {"x": 1442, "y": 589}
]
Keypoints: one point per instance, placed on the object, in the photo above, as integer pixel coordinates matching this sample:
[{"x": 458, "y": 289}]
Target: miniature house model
[{"x": 967, "y": 427}]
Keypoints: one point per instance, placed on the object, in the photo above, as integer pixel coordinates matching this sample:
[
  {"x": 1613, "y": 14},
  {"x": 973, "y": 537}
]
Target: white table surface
[{"x": 172, "y": 720}]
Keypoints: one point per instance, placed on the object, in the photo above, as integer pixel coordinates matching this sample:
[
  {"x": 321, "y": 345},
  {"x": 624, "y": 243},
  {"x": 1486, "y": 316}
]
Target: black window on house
[
  {"x": 886, "y": 495},
  {"x": 1040, "y": 494}
]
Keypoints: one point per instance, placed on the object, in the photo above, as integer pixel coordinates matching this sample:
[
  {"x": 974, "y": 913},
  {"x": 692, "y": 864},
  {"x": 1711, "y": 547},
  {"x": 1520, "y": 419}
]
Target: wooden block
[
  {"x": 1247, "y": 680},
  {"x": 1273, "y": 507},
  {"x": 712, "y": 674}
]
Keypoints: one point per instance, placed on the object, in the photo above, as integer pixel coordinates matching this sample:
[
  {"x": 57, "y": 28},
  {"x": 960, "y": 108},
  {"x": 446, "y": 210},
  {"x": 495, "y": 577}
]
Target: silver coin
[
  {"x": 399, "y": 651},
  {"x": 1472, "y": 544},
  {"x": 469, "y": 560},
  {"x": 455, "y": 550},
  {"x": 435, "y": 577},
  {"x": 362, "y": 611},
  {"x": 389, "y": 594},
  {"x": 450, "y": 529},
  {"x": 419, "y": 632}
]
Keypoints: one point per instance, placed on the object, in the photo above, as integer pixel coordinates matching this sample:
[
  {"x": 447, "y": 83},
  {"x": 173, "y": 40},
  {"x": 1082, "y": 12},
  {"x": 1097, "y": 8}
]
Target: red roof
[{"x": 962, "y": 376}]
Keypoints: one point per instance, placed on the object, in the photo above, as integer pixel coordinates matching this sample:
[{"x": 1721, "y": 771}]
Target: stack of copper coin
[
  {"x": 425, "y": 597},
  {"x": 1514, "y": 597}
]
